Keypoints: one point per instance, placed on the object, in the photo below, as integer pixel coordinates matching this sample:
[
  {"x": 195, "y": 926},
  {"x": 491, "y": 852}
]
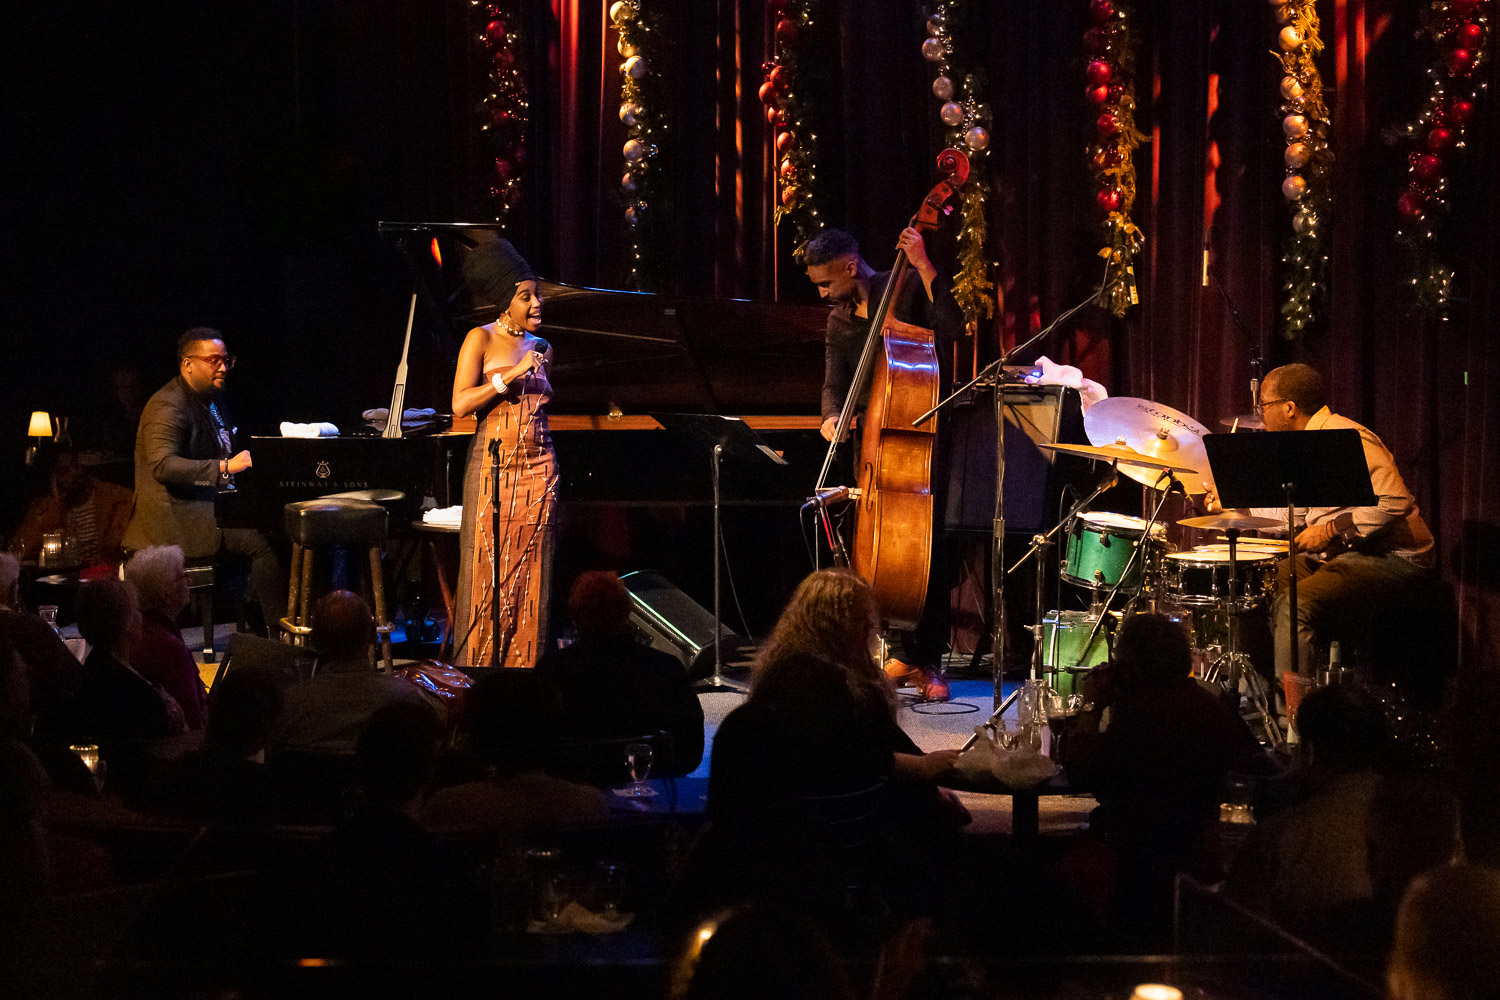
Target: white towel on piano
[{"x": 324, "y": 429}]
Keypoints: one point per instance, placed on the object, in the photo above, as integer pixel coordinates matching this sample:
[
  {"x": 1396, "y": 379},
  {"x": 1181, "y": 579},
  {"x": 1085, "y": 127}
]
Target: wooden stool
[{"x": 326, "y": 523}]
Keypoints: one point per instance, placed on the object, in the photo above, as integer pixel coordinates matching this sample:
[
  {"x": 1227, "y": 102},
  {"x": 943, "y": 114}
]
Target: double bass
[{"x": 897, "y": 378}]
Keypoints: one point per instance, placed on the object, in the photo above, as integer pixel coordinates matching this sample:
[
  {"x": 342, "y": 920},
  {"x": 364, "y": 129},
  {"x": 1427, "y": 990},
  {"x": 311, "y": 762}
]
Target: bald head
[{"x": 343, "y": 627}]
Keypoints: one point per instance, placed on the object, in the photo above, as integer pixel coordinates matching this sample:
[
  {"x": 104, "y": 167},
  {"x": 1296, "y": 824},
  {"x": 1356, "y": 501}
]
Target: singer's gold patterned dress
[{"x": 527, "y": 498}]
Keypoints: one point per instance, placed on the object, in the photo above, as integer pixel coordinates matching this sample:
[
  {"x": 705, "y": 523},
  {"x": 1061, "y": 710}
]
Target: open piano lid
[{"x": 634, "y": 351}]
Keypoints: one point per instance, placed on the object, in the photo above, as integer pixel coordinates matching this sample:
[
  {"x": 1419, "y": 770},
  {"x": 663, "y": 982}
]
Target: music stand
[
  {"x": 1291, "y": 469},
  {"x": 724, "y": 437}
]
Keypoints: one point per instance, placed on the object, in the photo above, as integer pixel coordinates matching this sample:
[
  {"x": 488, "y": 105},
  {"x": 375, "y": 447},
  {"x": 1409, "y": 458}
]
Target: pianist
[{"x": 184, "y": 453}]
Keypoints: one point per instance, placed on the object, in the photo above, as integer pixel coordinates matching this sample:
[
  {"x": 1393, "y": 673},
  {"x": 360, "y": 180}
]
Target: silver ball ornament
[
  {"x": 1294, "y": 126},
  {"x": 942, "y": 88},
  {"x": 627, "y": 183},
  {"x": 635, "y": 150},
  {"x": 951, "y": 113},
  {"x": 977, "y": 138},
  {"x": 1294, "y": 187},
  {"x": 630, "y": 112},
  {"x": 1291, "y": 88},
  {"x": 635, "y": 67},
  {"x": 932, "y": 50},
  {"x": 1296, "y": 155}
]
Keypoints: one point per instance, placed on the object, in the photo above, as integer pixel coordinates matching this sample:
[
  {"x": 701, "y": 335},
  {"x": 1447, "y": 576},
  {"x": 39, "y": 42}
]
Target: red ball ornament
[
  {"x": 1095, "y": 40},
  {"x": 1108, "y": 124},
  {"x": 780, "y": 78},
  {"x": 788, "y": 169},
  {"x": 1110, "y": 199},
  {"x": 1117, "y": 89},
  {"x": 1440, "y": 140},
  {"x": 1460, "y": 111},
  {"x": 1101, "y": 11},
  {"x": 787, "y": 30},
  {"x": 774, "y": 115},
  {"x": 1097, "y": 95},
  {"x": 785, "y": 141},
  {"x": 505, "y": 59},
  {"x": 1099, "y": 72},
  {"x": 495, "y": 30},
  {"x": 789, "y": 195},
  {"x": 1410, "y": 205},
  {"x": 1470, "y": 35},
  {"x": 767, "y": 93},
  {"x": 1428, "y": 167},
  {"x": 1459, "y": 61}
]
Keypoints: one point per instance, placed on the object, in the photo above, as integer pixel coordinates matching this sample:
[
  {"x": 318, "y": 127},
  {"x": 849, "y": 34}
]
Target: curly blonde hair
[{"x": 832, "y": 616}]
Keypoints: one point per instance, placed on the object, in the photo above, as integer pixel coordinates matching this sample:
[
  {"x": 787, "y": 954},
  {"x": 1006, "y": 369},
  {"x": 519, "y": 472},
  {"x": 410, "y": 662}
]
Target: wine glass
[{"x": 638, "y": 757}]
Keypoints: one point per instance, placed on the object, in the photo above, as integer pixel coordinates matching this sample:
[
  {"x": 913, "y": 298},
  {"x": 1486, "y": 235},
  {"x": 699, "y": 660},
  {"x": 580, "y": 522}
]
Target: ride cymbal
[
  {"x": 1227, "y": 522},
  {"x": 1154, "y": 431}
]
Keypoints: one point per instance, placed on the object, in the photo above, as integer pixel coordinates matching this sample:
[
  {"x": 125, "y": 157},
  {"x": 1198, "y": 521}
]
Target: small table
[{"x": 433, "y": 531}]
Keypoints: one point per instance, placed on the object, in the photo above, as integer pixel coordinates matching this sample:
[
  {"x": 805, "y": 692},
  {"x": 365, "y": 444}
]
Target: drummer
[{"x": 1353, "y": 564}]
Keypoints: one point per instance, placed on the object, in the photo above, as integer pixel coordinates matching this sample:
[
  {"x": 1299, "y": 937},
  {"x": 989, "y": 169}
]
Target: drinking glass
[
  {"x": 48, "y": 614},
  {"x": 610, "y": 889},
  {"x": 638, "y": 757}
]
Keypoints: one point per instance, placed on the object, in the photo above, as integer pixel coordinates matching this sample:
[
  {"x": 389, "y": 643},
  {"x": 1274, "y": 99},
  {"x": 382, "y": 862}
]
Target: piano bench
[{"x": 331, "y": 522}]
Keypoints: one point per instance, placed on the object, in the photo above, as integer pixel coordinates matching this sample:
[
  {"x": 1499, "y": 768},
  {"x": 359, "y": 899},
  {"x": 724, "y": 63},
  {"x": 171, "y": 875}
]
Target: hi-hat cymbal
[
  {"x": 1226, "y": 522},
  {"x": 1244, "y": 422},
  {"x": 1153, "y": 430},
  {"x": 1125, "y": 456}
]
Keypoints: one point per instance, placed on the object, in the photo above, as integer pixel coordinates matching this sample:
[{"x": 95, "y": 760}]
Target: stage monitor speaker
[
  {"x": 1034, "y": 478},
  {"x": 667, "y": 619}
]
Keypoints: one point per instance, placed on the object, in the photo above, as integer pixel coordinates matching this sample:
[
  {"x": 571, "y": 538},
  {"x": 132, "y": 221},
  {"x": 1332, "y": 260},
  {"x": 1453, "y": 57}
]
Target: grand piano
[{"x": 634, "y": 495}]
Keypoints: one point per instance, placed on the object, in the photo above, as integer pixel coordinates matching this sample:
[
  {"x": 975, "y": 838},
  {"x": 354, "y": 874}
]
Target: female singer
[{"x": 502, "y": 380}]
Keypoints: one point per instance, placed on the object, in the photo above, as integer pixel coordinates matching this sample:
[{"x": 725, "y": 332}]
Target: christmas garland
[
  {"x": 638, "y": 189},
  {"x": 1305, "y": 125},
  {"x": 504, "y": 111},
  {"x": 1110, "y": 72},
  {"x": 791, "y": 80},
  {"x": 968, "y": 120},
  {"x": 1460, "y": 32}
]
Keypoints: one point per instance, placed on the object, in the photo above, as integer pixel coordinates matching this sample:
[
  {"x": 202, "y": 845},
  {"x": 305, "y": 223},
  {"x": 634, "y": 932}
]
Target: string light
[
  {"x": 640, "y": 194},
  {"x": 1460, "y": 34},
  {"x": 505, "y": 111},
  {"x": 1305, "y": 186},
  {"x": 1110, "y": 89},
  {"x": 968, "y": 122},
  {"x": 792, "y": 79}
]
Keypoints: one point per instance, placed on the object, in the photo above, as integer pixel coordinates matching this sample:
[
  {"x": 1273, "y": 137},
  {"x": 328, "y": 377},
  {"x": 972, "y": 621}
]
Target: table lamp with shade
[{"x": 39, "y": 428}]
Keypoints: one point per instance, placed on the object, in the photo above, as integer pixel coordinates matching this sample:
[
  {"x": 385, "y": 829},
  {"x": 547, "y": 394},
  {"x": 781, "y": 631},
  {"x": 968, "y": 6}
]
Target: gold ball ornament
[
  {"x": 1294, "y": 187},
  {"x": 1290, "y": 38},
  {"x": 619, "y": 11},
  {"x": 1296, "y": 155},
  {"x": 1291, "y": 88},
  {"x": 1294, "y": 126},
  {"x": 624, "y": 47}
]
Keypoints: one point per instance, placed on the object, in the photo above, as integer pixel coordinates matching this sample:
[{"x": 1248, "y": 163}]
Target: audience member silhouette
[
  {"x": 26, "y": 876},
  {"x": 91, "y": 513},
  {"x": 1157, "y": 768},
  {"x": 327, "y": 713},
  {"x": 118, "y": 709},
  {"x": 613, "y": 686},
  {"x": 54, "y": 673},
  {"x": 159, "y": 576},
  {"x": 759, "y": 953},
  {"x": 511, "y": 723},
  {"x": 1447, "y": 943}
]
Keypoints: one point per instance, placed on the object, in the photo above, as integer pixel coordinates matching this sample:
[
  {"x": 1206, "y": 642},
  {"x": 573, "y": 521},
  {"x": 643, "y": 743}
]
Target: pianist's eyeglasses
[{"x": 226, "y": 361}]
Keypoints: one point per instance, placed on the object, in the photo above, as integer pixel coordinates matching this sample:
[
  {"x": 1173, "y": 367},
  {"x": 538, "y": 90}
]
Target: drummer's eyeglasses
[
  {"x": 225, "y": 361},
  {"x": 1261, "y": 406}
]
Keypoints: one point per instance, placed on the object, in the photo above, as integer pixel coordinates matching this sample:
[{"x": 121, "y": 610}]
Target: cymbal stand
[
  {"x": 1039, "y": 542},
  {"x": 1241, "y": 674}
]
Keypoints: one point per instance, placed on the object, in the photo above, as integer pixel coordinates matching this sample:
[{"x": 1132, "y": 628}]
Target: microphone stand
[
  {"x": 994, "y": 375},
  {"x": 497, "y": 658}
]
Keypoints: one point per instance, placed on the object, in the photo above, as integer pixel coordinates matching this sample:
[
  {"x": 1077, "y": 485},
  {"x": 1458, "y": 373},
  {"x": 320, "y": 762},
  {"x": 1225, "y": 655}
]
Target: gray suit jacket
[{"x": 176, "y": 474}]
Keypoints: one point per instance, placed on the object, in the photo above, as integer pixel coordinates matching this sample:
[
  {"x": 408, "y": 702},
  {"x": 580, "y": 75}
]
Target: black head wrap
[{"x": 494, "y": 270}]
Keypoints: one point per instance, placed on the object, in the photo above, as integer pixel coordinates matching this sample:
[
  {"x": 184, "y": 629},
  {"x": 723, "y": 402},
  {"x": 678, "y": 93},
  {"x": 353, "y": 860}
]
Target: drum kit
[{"x": 1210, "y": 589}]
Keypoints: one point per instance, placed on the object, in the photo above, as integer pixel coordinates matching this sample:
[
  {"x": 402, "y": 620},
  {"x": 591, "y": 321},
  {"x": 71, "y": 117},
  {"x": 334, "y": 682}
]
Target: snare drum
[
  {"x": 1201, "y": 577},
  {"x": 1103, "y": 542},
  {"x": 1063, "y": 636}
]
